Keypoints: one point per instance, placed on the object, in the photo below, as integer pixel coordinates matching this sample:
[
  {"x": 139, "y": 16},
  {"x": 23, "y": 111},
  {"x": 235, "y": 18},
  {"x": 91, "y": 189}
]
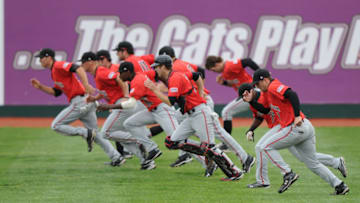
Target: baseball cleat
[
  {"x": 234, "y": 178},
  {"x": 341, "y": 189},
  {"x": 153, "y": 154},
  {"x": 90, "y": 139},
  {"x": 210, "y": 169},
  {"x": 289, "y": 179},
  {"x": 118, "y": 162},
  {"x": 248, "y": 164},
  {"x": 258, "y": 185},
  {"x": 148, "y": 166},
  {"x": 342, "y": 167},
  {"x": 183, "y": 159}
]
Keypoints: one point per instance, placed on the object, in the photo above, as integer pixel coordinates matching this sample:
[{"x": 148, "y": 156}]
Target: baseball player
[
  {"x": 114, "y": 90},
  {"x": 63, "y": 74},
  {"x": 199, "y": 119},
  {"x": 125, "y": 52},
  {"x": 233, "y": 74},
  {"x": 185, "y": 67},
  {"x": 249, "y": 94},
  {"x": 156, "y": 111},
  {"x": 295, "y": 131}
]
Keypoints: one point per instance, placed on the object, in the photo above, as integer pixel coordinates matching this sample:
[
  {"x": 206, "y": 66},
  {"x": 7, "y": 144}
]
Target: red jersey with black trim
[
  {"x": 115, "y": 67},
  {"x": 281, "y": 107},
  {"x": 105, "y": 80},
  {"x": 185, "y": 67},
  {"x": 235, "y": 72},
  {"x": 270, "y": 118},
  {"x": 179, "y": 85},
  {"x": 140, "y": 65},
  {"x": 65, "y": 80},
  {"x": 142, "y": 93}
]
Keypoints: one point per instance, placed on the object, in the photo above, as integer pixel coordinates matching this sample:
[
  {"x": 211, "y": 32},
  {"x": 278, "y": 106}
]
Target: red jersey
[
  {"x": 270, "y": 118},
  {"x": 179, "y": 85},
  {"x": 142, "y": 93},
  {"x": 105, "y": 80},
  {"x": 140, "y": 65},
  {"x": 281, "y": 107},
  {"x": 236, "y": 72},
  {"x": 150, "y": 58},
  {"x": 115, "y": 67},
  {"x": 185, "y": 67},
  {"x": 65, "y": 80}
]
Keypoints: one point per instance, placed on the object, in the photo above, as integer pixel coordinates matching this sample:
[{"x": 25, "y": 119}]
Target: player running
[
  {"x": 63, "y": 74},
  {"x": 114, "y": 90},
  {"x": 198, "y": 121},
  {"x": 295, "y": 131},
  {"x": 233, "y": 74}
]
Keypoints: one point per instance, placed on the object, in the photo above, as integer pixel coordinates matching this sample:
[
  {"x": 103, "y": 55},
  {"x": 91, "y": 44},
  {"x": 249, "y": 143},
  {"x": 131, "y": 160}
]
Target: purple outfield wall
[{"x": 312, "y": 46}]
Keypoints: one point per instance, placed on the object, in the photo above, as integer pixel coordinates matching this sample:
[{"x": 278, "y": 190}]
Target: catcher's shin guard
[
  {"x": 223, "y": 162},
  {"x": 195, "y": 149},
  {"x": 171, "y": 144}
]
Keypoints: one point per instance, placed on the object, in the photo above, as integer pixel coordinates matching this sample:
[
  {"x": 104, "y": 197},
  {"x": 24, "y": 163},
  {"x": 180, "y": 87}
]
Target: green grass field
[{"x": 38, "y": 165}]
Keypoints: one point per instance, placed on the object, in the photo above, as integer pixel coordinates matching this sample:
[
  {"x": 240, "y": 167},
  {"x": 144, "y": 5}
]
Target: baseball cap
[
  {"x": 125, "y": 45},
  {"x": 260, "y": 74},
  {"x": 244, "y": 87},
  {"x": 46, "y": 52},
  {"x": 103, "y": 54},
  {"x": 88, "y": 56},
  {"x": 162, "y": 60},
  {"x": 167, "y": 50},
  {"x": 126, "y": 66}
]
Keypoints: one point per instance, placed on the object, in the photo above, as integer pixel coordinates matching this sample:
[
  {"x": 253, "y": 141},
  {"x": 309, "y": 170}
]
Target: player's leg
[
  {"x": 262, "y": 177},
  {"x": 307, "y": 151},
  {"x": 165, "y": 116},
  {"x": 136, "y": 125},
  {"x": 90, "y": 121},
  {"x": 232, "y": 108}
]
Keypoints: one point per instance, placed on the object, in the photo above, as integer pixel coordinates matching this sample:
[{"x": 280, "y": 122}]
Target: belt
[
  {"x": 154, "y": 109},
  {"x": 81, "y": 95}
]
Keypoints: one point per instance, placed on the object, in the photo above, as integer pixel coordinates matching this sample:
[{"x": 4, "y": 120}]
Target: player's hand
[
  {"x": 219, "y": 79},
  {"x": 90, "y": 99},
  {"x": 89, "y": 89},
  {"x": 150, "y": 84},
  {"x": 103, "y": 107},
  {"x": 35, "y": 83},
  {"x": 250, "y": 136},
  {"x": 298, "y": 121},
  {"x": 247, "y": 96}
]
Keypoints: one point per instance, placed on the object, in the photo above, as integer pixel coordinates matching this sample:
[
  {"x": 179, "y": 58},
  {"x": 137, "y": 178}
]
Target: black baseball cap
[
  {"x": 125, "y": 45},
  {"x": 103, "y": 54},
  {"x": 162, "y": 60},
  {"x": 46, "y": 52},
  {"x": 167, "y": 50},
  {"x": 260, "y": 74},
  {"x": 88, "y": 56},
  {"x": 244, "y": 87},
  {"x": 126, "y": 66}
]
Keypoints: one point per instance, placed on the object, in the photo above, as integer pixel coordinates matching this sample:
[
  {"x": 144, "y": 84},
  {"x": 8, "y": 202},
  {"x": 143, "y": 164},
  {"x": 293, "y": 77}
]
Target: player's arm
[
  {"x": 124, "y": 86},
  {"x": 295, "y": 103},
  {"x": 199, "y": 82},
  {"x": 248, "y": 62},
  {"x": 255, "y": 124},
  {"x": 83, "y": 78},
  {"x": 128, "y": 104},
  {"x": 49, "y": 90},
  {"x": 154, "y": 88}
]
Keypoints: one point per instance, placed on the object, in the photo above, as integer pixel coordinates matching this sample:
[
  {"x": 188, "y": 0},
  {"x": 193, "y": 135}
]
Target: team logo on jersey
[
  {"x": 174, "y": 89},
  {"x": 111, "y": 75},
  {"x": 65, "y": 64},
  {"x": 132, "y": 90},
  {"x": 280, "y": 88}
]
